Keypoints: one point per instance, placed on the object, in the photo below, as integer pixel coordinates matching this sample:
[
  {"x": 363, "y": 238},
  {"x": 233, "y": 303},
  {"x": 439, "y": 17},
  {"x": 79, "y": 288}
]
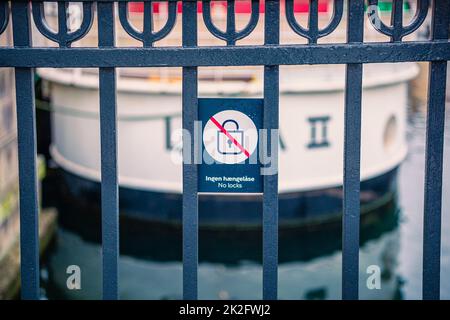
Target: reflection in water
[{"x": 230, "y": 262}]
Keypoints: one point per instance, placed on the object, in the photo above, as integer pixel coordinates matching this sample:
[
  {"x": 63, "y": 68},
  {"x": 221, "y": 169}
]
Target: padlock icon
[{"x": 225, "y": 145}]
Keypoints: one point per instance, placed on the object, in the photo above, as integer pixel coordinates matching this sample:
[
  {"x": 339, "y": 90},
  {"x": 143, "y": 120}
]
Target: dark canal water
[{"x": 310, "y": 258}]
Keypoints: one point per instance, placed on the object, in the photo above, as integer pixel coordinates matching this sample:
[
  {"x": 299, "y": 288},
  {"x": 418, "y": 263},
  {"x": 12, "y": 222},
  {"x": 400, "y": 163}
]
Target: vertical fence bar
[
  {"x": 434, "y": 158},
  {"x": 352, "y": 156},
  {"x": 271, "y": 124},
  {"x": 190, "y": 170},
  {"x": 108, "y": 134},
  {"x": 26, "y": 131}
]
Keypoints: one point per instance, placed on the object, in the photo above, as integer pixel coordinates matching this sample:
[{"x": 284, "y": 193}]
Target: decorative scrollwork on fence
[
  {"x": 397, "y": 31},
  {"x": 148, "y": 36},
  {"x": 63, "y": 37},
  {"x": 230, "y": 35},
  {"x": 4, "y": 16},
  {"x": 313, "y": 33}
]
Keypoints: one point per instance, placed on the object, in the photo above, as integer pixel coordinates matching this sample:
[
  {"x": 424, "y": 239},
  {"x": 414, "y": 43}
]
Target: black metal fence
[{"x": 24, "y": 57}]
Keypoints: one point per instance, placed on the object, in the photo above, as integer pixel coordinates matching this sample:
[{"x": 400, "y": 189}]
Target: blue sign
[{"x": 230, "y": 145}]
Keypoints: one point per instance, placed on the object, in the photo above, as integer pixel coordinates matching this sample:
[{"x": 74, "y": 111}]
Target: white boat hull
[{"x": 311, "y": 130}]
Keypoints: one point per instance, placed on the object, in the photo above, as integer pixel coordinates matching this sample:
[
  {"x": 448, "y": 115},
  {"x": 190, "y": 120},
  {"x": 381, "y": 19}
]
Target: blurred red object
[{"x": 300, "y": 6}]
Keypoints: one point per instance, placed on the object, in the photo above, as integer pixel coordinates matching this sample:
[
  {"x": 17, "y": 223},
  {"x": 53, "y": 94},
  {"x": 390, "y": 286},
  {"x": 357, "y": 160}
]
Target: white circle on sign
[{"x": 230, "y": 137}]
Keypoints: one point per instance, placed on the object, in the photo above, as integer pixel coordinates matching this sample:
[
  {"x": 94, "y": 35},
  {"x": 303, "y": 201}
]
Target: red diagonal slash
[{"x": 237, "y": 144}]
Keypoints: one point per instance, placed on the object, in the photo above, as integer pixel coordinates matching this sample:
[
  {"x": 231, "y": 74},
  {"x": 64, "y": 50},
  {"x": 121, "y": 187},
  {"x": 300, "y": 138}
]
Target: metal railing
[{"x": 24, "y": 57}]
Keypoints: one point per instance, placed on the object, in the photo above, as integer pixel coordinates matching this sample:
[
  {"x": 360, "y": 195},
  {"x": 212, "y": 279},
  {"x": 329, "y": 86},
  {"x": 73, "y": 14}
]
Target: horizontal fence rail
[
  {"x": 225, "y": 56},
  {"x": 24, "y": 57}
]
